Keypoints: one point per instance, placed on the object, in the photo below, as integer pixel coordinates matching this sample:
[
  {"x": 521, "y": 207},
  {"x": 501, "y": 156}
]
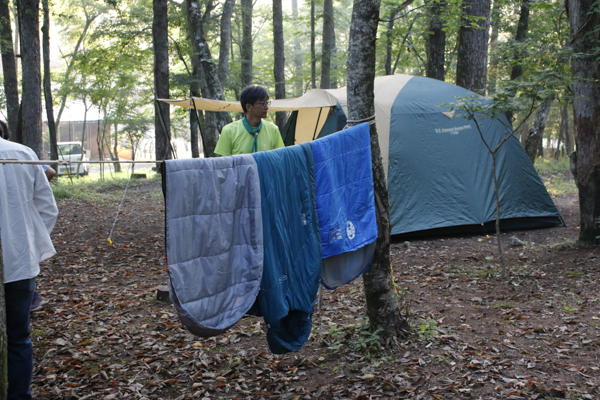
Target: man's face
[{"x": 259, "y": 108}]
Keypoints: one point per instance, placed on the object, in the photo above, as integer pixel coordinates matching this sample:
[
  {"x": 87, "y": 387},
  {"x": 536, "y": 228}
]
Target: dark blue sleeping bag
[{"x": 292, "y": 246}]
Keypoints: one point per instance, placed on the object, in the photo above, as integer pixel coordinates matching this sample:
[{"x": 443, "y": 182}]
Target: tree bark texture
[
  {"x": 382, "y": 300},
  {"x": 9, "y": 69},
  {"x": 225, "y": 43},
  {"x": 313, "y": 54},
  {"x": 328, "y": 47},
  {"x": 584, "y": 20},
  {"x": 209, "y": 81},
  {"x": 246, "y": 49},
  {"x": 471, "y": 60},
  {"x": 535, "y": 134},
  {"x": 436, "y": 42},
  {"x": 162, "y": 118},
  {"x": 279, "y": 62},
  {"x": 31, "y": 120},
  {"x": 47, "y": 82}
]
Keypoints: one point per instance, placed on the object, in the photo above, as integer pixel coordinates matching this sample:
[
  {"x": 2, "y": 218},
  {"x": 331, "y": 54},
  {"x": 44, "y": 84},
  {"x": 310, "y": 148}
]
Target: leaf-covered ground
[{"x": 103, "y": 334}]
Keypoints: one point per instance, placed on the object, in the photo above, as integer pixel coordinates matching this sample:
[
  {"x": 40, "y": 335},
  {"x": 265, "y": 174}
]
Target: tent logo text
[{"x": 453, "y": 131}]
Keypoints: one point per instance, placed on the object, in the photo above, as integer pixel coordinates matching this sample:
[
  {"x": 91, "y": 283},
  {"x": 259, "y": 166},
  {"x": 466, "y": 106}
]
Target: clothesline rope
[
  {"x": 370, "y": 119},
  {"x": 64, "y": 162}
]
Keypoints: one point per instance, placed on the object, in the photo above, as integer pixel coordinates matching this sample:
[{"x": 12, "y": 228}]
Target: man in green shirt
[{"x": 251, "y": 133}]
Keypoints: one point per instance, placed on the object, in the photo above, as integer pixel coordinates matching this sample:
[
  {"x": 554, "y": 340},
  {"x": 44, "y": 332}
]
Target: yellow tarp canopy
[
  {"x": 314, "y": 98},
  {"x": 313, "y": 108}
]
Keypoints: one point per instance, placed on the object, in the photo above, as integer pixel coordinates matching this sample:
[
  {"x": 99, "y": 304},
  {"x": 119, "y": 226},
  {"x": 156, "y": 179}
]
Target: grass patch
[
  {"x": 556, "y": 175},
  {"x": 546, "y": 166},
  {"x": 354, "y": 337},
  {"x": 558, "y": 186},
  {"x": 96, "y": 187}
]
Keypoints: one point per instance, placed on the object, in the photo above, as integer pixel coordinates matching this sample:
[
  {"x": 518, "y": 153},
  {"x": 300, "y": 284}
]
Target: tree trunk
[
  {"x": 494, "y": 59},
  {"x": 162, "y": 118},
  {"x": 47, "y": 82},
  {"x": 535, "y": 134},
  {"x": 436, "y": 42},
  {"x": 246, "y": 47},
  {"x": 517, "y": 69},
  {"x": 564, "y": 115},
  {"x": 404, "y": 39},
  {"x": 9, "y": 68},
  {"x": 313, "y": 55},
  {"x": 31, "y": 120},
  {"x": 299, "y": 82},
  {"x": 584, "y": 20},
  {"x": 471, "y": 59},
  {"x": 3, "y": 334},
  {"x": 521, "y": 35},
  {"x": 389, "y": 70},
  {"x": 279, "y": 63},
  {"x": 115, "y": 156},
  {"x": 225, "y": 43},
  {"x": 390, "y": 41},
  {"x": 209, "y": 80},
  {"x": 382, "y": 300},
  {"x": 327, "y": 52}
]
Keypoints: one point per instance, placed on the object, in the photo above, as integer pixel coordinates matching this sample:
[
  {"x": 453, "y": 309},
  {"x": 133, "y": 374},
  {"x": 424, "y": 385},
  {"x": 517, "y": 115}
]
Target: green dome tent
[{"x": 439, "y": 171}]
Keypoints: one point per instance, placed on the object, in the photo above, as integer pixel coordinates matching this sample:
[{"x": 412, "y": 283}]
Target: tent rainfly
[{"x": 439, "y": 171}]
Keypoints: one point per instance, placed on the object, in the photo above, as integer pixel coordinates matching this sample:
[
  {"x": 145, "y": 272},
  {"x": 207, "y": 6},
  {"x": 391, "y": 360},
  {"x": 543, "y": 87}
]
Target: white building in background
[{"x": 70, "y": 129}]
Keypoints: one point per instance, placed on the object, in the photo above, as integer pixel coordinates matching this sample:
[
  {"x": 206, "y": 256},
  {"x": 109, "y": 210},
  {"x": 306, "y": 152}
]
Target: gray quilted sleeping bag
[{"x": 214, "y": 240}]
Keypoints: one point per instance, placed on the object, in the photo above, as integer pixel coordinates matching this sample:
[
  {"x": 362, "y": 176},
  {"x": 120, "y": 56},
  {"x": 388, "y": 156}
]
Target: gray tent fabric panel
[
  {"x": 440, "y": 171},
  {"x": 214, "y": 239}
]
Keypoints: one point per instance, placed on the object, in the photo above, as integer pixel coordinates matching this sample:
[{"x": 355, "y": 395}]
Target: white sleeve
[{"x": 43, "y": 198}]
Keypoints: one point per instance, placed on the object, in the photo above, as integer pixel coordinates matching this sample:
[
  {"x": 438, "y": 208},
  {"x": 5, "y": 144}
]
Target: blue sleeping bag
[
  {"x": 345, "y": 203},
  {"x": 292, "y": 247}
]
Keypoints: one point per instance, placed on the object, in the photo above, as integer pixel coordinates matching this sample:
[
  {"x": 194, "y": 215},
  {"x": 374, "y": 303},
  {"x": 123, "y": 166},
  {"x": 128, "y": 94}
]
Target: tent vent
[{"x": 449, "y": 114}]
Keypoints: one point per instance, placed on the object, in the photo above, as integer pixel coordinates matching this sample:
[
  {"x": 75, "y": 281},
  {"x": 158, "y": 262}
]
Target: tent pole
[
  {"x": 317, "y": 125},
  {"x": 198, "y": 123}
]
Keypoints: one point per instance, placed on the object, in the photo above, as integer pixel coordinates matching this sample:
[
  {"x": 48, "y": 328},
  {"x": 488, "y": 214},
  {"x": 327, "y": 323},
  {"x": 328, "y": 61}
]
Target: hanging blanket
[
  {"x": 345, "y": 203},
  {"x": 292, "y": 248},
  {"x": 214, "y": 240}
]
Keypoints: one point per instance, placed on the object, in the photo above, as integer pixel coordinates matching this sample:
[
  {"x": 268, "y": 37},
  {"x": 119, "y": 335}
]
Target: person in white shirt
[{"x": 28, "y": 213}]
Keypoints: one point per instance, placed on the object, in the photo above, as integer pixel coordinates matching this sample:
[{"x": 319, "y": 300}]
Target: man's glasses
[{"x": 265, "y": 104}]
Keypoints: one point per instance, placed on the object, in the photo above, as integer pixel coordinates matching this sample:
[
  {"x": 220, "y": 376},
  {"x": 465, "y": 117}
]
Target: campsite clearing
[{"x": 103, "y": 335}]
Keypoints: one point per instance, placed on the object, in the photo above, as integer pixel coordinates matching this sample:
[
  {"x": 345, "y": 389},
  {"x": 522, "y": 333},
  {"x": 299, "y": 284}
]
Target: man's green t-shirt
[{"x": 235, "y": 139}]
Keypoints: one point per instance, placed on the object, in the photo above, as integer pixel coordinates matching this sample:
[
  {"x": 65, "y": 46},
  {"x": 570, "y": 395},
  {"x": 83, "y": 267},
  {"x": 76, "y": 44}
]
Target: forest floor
[{"x": 104, "y": 335}]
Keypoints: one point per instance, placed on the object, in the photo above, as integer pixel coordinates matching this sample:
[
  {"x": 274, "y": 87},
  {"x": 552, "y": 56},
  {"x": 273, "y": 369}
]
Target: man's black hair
[
  {"x": 4, "y": 131},
  {"x": 252, "y": 94}
]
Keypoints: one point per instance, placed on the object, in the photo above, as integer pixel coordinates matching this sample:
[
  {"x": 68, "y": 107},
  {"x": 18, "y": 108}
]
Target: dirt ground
[{"x": 104, "y": 335}]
